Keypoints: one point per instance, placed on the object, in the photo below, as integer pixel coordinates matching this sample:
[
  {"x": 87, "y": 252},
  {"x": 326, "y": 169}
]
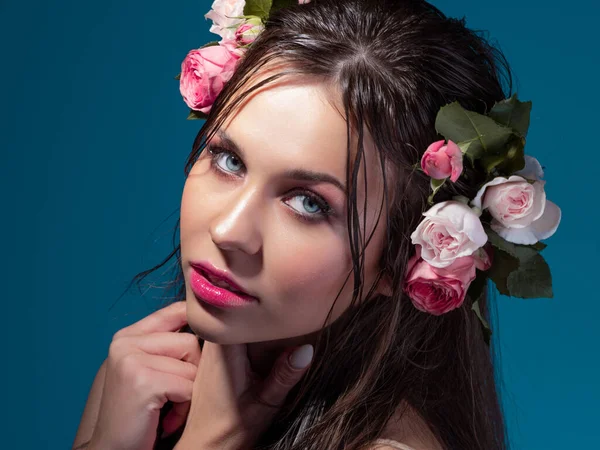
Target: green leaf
[
  {"x": 475, "y": 293},
  {"x": 485, "y": 326},
  {"x": 490, "y": 162},
  {"x": 519, "y": 270},
  {"x": 197, "y": 115},
  {"x": 478, "y": 134},
  {"x": 521, "y": 252},
  {"x": 509, "y": 161},
  {"x": 210, "y": 44},
  {"x": 253, "y": 20},
  {"x": 515, "y": 156},
  {"x": 258, "y": 8},
  {"x": 512, "y": 113},
  {"x": 178, "y": 76},
  {"x": 539, "y": 246},
  {"x": 503, "y": 265},
  {"x": 470, "y": 153},
  {"x": 243, "y": 17},
  {"x": 477, "y": 287},
  {"x": 531, "y": 280},
  {"x": 278, "y": 4},
  {"x": 464, "y": 148},
  {"x": 477, "y": 310},
  {"x": 435, "y": 186}
]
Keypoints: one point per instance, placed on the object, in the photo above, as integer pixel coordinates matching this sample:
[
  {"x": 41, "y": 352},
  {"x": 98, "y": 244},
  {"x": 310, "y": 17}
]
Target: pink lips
[{"x": 218, "y": 296}]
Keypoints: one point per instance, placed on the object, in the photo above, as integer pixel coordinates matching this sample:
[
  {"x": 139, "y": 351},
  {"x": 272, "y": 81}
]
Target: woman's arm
[{"x": 90, "y": 412}]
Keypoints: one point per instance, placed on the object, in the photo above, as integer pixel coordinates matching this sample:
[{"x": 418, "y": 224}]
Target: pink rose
[
  {"x": 223, "y": 13},
  {"x": 449, "y": 231},
  {"x": 442, "y": 161},
  {"x": 521, "y": 214},
  {"x": 438, "y": 290},
  {"x": 233, "y": 47},
  {"x": 204, "y": 71},
  {"x": 247, "y": 32}
]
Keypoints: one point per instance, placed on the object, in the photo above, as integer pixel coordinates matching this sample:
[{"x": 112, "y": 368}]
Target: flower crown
[{"x": 460, "y": 243}]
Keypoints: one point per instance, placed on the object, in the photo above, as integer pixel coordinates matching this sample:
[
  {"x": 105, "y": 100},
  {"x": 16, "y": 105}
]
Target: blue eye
[
  {"x": 227, "y": 161},
  {"x": 310, "y": 205},
  {"x": 307, "y": 205}
]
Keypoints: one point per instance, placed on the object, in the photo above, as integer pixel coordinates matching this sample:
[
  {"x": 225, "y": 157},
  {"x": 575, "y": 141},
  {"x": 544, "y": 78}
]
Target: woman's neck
[{"x": 262, "y": 355}]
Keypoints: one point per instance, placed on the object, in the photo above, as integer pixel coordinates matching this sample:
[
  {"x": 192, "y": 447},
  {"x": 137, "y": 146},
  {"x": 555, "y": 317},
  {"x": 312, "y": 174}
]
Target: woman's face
[{"x": 272, "y": 215}]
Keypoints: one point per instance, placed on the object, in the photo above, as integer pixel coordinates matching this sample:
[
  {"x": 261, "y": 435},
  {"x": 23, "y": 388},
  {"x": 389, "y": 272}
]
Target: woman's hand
[
  {"x": 148, "y": 364},
  {"x": 231, "y": 406}
]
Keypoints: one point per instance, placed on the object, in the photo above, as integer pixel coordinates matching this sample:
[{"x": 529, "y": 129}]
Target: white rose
[
  {"x": 450, "y": 230},
  {"x": 520, "y": 211},
  {"x": 221, "y": 14},
  {"x": 532, "y": 170}
]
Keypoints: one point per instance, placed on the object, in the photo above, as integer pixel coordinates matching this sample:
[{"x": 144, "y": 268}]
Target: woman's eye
[
  {"x": 226, "y": 161},
  {"x": 309, "y": 206},
  {"x": 229, "y": 162},
  {"x": 304, "y": 203}
]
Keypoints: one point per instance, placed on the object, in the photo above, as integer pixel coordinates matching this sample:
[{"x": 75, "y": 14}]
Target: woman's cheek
[{"x": 311, "y": 272}]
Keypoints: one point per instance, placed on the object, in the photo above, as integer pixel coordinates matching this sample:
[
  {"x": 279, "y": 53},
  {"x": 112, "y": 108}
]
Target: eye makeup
[{"x": 217, "y": 153}]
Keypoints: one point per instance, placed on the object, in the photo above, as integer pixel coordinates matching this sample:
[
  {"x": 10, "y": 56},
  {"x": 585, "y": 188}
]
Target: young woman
[{"x": 304, "y": 190}]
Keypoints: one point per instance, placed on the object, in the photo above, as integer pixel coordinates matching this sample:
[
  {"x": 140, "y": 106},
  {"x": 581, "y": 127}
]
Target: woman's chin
[
  {"x": 212, "y": 327},
  {"x": 210, "y": 330},
  {"x": 237, "y": 325},
  {"x": 213, "y": 335}
]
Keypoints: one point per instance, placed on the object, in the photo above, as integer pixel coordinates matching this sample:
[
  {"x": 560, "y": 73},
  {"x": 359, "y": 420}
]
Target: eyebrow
[{"x": 295, "y": 174}]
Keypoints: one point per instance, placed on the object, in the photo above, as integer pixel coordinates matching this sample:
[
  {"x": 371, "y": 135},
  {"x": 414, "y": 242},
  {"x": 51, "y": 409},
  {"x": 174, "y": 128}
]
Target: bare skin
[{"x": 250, "y": 215}]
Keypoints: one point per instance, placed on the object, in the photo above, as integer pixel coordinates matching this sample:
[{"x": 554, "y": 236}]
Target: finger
[
  {"x": 181, "y": 346},
  {"x": 169, "y": 318},
  {"x": 169, "y": 365},
  {"x": 165, "y": 387},
  {"x": 175, "y": 418},
  {"x": 287, "y": 371}
]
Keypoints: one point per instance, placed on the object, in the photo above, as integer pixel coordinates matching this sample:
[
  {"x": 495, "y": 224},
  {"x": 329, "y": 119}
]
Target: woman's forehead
[{"x": 300, "y": 121}]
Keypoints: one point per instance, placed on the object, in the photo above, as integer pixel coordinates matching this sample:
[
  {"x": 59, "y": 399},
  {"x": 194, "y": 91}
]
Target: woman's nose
[{"x": 236, "y": 226}]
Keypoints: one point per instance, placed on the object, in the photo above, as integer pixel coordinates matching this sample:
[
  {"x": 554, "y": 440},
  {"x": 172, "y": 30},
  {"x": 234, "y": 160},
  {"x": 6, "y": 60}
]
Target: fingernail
[{"x": 302, "y": 356}]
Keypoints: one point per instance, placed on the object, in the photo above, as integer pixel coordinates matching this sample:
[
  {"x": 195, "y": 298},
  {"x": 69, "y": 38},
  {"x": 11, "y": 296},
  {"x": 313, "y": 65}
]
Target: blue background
[{"x": 94, "y": 138}]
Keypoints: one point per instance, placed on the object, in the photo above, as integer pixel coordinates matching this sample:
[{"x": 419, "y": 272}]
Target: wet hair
[{"x": 394, "y": 63}]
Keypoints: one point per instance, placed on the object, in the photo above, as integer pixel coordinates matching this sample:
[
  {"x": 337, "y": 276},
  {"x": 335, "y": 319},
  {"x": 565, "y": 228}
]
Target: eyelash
[{"x": 326, "y": 210}]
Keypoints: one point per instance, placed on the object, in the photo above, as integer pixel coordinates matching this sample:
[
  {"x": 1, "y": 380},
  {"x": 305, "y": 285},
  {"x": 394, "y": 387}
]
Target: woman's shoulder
[{"x": 406, "y": 430}]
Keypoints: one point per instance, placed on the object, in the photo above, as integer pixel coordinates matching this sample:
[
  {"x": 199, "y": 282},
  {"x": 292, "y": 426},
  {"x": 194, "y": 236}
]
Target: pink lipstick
[{"x": 215, "y": 287}]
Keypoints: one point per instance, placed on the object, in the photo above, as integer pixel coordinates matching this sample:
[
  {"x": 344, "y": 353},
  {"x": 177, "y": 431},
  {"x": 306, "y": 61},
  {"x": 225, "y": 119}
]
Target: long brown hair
[{"x": 395, "y": 63}]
